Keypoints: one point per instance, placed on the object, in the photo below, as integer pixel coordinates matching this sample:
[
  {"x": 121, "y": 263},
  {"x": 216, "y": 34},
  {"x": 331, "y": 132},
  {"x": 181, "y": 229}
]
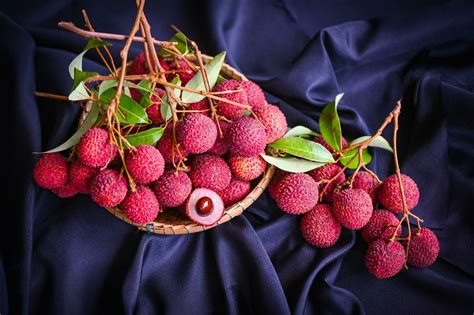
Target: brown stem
[{"x": 53, "y": 96}]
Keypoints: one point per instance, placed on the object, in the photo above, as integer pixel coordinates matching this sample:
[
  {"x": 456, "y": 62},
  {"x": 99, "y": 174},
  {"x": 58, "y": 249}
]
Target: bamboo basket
[{"x": 173, "y": 222}]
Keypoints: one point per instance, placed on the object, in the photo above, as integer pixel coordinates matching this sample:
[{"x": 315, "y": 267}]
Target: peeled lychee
[
  {"x": 236, "y": 94},
  {"x": 321, "y": 141},
  {"x": 319, "y": 227},
  {"x": 352, "y": 208},
  {"x": 363, "y": 180},
  {"x": 424, "y": 248},
  {"x": 197, "y": 133},
  {"x": 247, "y": 168},
  {"x": 247, "y": 137},
  {"x": 274, "y": 121},
  {"x": 235, "y": 192},
  {"x": 172, "y": 188},
  {"x": 202, "y": 106},
  {"x": 51, "y": 171},
  {"x": 210, "y": 171},
  {"x": 221, "y": 146},
  {"x": 384, "y": 258},
  {"x": 204, "y": 207},
  {"x": 94, "y": 148},
  {"x": 145, "y": 164},
  {"x": 153, "y": 110},
  {"x": 140, "y": 206},
  {"x": 297, "y": 193},
  {"x": 80, "y": 176},
  {"x": 390, "y": 197},
  {"x": 166, "y": 148},
  {"x": 108, "y": 188},
  {"x": 65, "y": 191},
  {"x": 327, "y": 172},
  {"x": 255, "y": 95},
  {"x": 382, "y": 224}
]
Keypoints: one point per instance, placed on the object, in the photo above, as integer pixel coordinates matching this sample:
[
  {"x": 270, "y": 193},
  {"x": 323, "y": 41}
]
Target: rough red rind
[
  {"x": 94, "y": 148},
  {"x": 140, "y": 206},
  {"x": 202, "y": 105},
  {"x": 424, "y": 248},
  {"x": 384, "y": 259},
  {"x": 247, "y": 168},
  {"x": 138, "y": 65},
  {"x": 173, "y": 188},
  {"x": 273, "y": 186},
  {"x": 228, "y": 110},
  {"x": 255, "y": 95},
  {"x": 247, "y": 137},
  {"x": 235, "y": 192},
  {"x": 108, "y": 188},
  {"x": 363, "y": 180},
  {"x": 209, "y": 219},
  {"x": 65, "y": 191},
  {"x": 210, "y": 171},
  {"x": 352, "y": 208},
  {"x": 197, "y": 133},
  {"x": 319, "y": 227},
  {"x": 379, "y": 226},
  {"x": 153, "y": 110},
  {"x": 221, "y": 146},
  {"x": 185, "y": 74},
  {"x": 165, "y": 146},
  {"x": 326, "y": 172},
  {"x": 390, "y": 197},
  {"x": 80, "y": 176},
  {"x": 297, "y": 193},
  {"x": 145, "y": 164},
  {"x": 321, "y": 141},
  {"x": 51, "y": 171},
  {"x": 274, "y": 121}
]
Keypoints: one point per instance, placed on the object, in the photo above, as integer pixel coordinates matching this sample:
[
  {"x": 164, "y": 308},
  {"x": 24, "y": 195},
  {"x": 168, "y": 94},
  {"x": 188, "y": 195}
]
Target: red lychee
[
  {"x": 166, "y": 148},
  {"x": 247, "y": 137},
  {"x": 108, "y": 188},
  {"x": 210, "y": 171},
  {"x": 384, "y": 258},
  {"x": 80, "y": 176},
  {"x": 390, "y": 197},
  {"x": 140, "y": 206},
  {"x": 51, "y": 171},
  {"x": 145, "y": 164},
  {"x": 172, "y": 188},
  {"x": 185, "y": 72},
  {"x": 327, "y": 172},
  {"x": 153, "y": 110},
  {"x": 202, "y": 106},
  {"x": 247, "y": 168},
  {"x": 365, "y": 181},
  {"x": 255, "y": 95},
  {"x": 65, "y": 191},
  {"x": 221, "y": 146},
  {"x": 319, "y": 227},
  {"x": 273, "y": 186},
  {"x": 382, "y": 224},
  {"x": 235, "y": 192},
  {"x": 138, "y": 65},
  {"x": 274, "y": 121},
  {"x": 352, "y": 208},
  {"x": 236, "y": 93},
  {"x": 297, "y": 193},
  {"x": 424, "y": 248},
  {"x": 94, "y": 148},
  {"x": 197, "y": 133}
]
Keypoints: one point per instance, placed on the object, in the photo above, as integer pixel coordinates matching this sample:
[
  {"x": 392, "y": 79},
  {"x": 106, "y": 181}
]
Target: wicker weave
[{"x": 174, "y": 222}]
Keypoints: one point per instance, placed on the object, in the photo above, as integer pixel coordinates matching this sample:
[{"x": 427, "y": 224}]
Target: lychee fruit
[
  {"x": 235, "y": 192},
  {"x": 274, "y": 121},
  {"x": 384, "y": 258},
  {"x": 94, "y": 148},
  {"x": 140, "y": 206},
  {"x": 327, "y": 172},
  {"x": 390, "y": 197},
  {"x": 172, "y": 188},
  {"x": 51, "y": 171},
  {"x": 382, "y": 224},
  {"x": 247, "y": 137},
  {"x": 197, "y": 133},
  {"x": 166, "y": 148},
  {"x": 65, "y": 191},
  {"x": 236, "y": 94},
  {"x": 221, "y": 146},
  {"x": 145, "y": 164},
  {"x": 321, "y": 141},
  {"x": 247, "y": 168},
  {"x": 424, "y": 248},
  {"x": 153, "y": 110},
  {"x": 138, "y": 65},
  {"x": 352, "y": 208},
  {"x": 363, "y": 180},
  {"x": 108, "y": 188},
  {"x": 255, "y": 95},
  {"x": 273, "y": 186},
  {"x": 297, "y": 193},
  {"x": 80, "y": 176},
  {"x": 319, "y": 227},
  {"x": 202, "y": 106},
  {"x": 185, "y": 72},
  {"x": 210, "y": 171},
  {"x": 204, "y": 207}
]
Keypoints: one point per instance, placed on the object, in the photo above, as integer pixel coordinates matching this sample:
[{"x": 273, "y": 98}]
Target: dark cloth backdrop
[{"x": 72, "y": 257}]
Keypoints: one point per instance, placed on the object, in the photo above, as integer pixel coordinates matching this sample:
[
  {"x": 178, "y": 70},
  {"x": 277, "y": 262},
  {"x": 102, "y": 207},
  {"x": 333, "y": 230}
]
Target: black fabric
[{"x": 72, "y": 257}]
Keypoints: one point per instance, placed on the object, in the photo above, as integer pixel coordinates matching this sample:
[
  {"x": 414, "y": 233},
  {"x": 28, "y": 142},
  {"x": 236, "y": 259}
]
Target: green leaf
[
  {"x": 176, "y": 81},
  {"x": 366, "y": 158},
  {"x": 197, "y": 82},
  {"x": 95, "y": 42},
  {"x": 88, "y": 123},
  {"x": 378, "y": 142},
  {"x": 165, "y": 108},
  {"x": 76, "y": 63},
  {"x": 78, "y": 91},
  {"x": 220, "y": 79},
  {"x": 106, "y": 85},
  {"x": 293, "y": 165},
  {"x": 130, "y": 111},
  {"x": 181, "y": 44},
  {"x": 303, "y": 148},
  {"x": 143, "y": 86},
  {"x": 329, "y": 124},
  {"x": 299, "y": 131},
  {"x": 150, "y": 136}
]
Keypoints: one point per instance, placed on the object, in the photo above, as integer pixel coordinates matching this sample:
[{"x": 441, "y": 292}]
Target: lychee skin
[
  {"x": 65, "y": 191},
  {"x": 80, "y": 176},
  {"x": 172, "y": 188},
  {"x": 235, "y": 192},
  {"x": 166, "y": 148},
  {"x": 390, "y": 197},
  {"x": 321, "y": 141},
  {"x": 255, "y": 95},
  {"x": 228, "y": 110},
  {"x": 247, "y": 168},
  {"x": 274, "y": 121},
  {"x": 138, "y": 65},
  {"x": 145, "y": 164},
  {"x": 352, "y": 208},
  {"x": 153, "y": 110},
  {"x": 51, "y": 171},
  {"x": 381, "y": 225},
  {"x": 221, "y": 146},
  {"x": 276, "y": 179},
  {"x": 140, "y": 206},
  {"x": 94, "y": 148},
  {"x": 424, "y": 248},
  {"x": 319, "y": 227},
  {"x": 297, "y": 193},
  {"x": 326, "y": 172},
  {"x": 185, "y": 74},
  {"x": 202, "y": 105},
  {"x": 108, "y": 188},
  {"x": 210, "y": 171},
  {"x": 363, "y": 180},
  {"x": 247, "y": 137},
  {"x": 197, "y": 133},
  {"x": 384, "y": 259}
]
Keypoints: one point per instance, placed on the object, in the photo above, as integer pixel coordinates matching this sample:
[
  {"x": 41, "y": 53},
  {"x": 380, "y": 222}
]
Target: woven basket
[{"x": 174, "y": 222}]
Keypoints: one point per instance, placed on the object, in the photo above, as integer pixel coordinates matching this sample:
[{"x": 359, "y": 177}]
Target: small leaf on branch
[
  {"x": 329, "y": 124},
  {"x": 150, "y": 136},
  {"x": 76, "y": 63},
  {"x": 293, "y": 165},
  {"x": 78, "y": 91},
  {"x": 95, "y": 42},
  {"x": 379, "y": 142},
  {"x": 165, "y": 108},
  {"x": 130, "y": 111},
  {"x": 181, "y": 43},
  {"x": 366, "y": 158},
  {"x": 177, "y": 81},
  {"x": 303, "y": 148},
  {"x": 299, "y": 131}
]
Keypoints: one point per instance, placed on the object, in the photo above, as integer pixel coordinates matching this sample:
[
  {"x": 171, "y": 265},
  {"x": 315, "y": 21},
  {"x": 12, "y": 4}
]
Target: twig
[{"x": 52, "y": 96}]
